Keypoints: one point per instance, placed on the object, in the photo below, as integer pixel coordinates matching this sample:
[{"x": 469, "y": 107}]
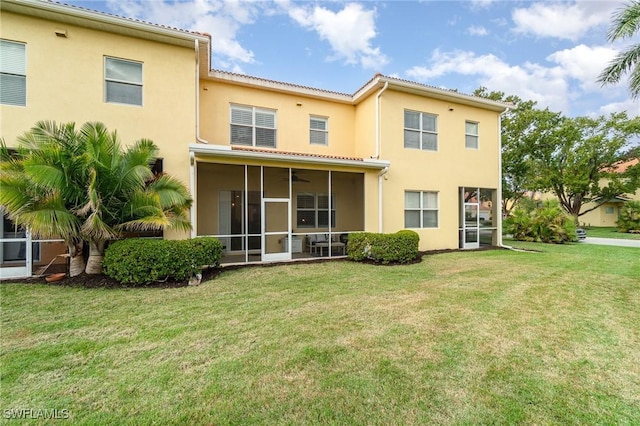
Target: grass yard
[
  {"x": 486, "y": 337},
  {"x": 610, "y": 232}
]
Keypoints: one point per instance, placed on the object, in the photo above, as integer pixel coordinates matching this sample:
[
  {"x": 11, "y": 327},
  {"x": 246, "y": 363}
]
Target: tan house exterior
[
  {"x": 277, "y": 171},
  {"x": 607, "y": 214}
]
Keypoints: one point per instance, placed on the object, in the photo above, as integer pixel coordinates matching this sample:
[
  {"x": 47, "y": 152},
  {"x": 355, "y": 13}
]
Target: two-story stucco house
[{"x": 277, "y": 170}]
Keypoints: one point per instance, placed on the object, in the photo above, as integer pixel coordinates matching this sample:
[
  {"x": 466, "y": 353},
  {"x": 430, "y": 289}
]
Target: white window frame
[
  {"x": 320, "y": 133},
  {"x": 107, "y": 80},
  {"x": 16, "y": 68},
  {"x": 317, "y": 209},
  {"x": 253, "y": 125},
  {"x": 422, "y": 208},
  {"x": 471, "y": 136},
  {"x": 421, "y": 130}
]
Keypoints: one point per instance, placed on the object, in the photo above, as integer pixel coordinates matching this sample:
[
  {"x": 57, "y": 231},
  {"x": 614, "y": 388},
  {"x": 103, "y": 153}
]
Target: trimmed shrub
[
  {"x": 139, "y": 261},
  {"x": 629, "y": 219},
  {"x": 401, "y": 247},
  {"x": 547, "y": 224}
]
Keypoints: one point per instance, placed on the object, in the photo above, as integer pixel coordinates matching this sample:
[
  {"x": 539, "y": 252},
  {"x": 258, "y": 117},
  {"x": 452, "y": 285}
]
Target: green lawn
[
  {"x": 486, "y": 337},
  {"x": 610, "y": 232}
]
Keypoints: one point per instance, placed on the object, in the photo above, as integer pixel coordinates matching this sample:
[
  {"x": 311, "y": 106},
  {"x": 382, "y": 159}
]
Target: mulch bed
[{"x": 103, "y": 281}]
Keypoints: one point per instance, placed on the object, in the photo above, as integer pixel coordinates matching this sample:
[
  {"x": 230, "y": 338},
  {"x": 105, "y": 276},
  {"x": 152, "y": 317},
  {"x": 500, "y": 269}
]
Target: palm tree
[
  {"x": 626, "y": 23},
  {"x": 98, "y": 189}
]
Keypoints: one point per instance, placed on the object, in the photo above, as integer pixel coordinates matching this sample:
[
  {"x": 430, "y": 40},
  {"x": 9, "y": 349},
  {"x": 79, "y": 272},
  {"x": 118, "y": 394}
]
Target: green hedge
[
  {"x": 139, "y": 261},
  {"x": 401, "y": 247},
  {"x": 629, "y": 218},
  {"x": 547, "y": 223}
]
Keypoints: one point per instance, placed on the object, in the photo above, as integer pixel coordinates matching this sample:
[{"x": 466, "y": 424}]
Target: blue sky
[{"x": 547, "y": 51}]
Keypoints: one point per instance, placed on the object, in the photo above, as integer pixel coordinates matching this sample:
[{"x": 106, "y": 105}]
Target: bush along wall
[
  {"x": 139, "y": 261},
  {"x": 401, "y": 247},
  {"x": 547, "y": 224},
  {"x": 629, "y": 219}
]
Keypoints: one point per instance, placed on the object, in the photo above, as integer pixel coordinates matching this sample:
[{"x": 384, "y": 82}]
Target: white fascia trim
[
  {"x": 226, "y": 151},
  {"x": 106, "y": 18},
  {"x": 432, "y": 92}
]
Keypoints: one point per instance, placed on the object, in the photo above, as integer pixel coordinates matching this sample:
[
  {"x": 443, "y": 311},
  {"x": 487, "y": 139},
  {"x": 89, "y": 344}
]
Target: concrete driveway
[{"x": 612, "y": 242}]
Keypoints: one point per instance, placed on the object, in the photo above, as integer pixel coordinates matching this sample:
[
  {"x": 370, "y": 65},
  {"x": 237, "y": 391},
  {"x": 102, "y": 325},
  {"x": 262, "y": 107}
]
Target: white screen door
[{"x": 276, "y": 229}]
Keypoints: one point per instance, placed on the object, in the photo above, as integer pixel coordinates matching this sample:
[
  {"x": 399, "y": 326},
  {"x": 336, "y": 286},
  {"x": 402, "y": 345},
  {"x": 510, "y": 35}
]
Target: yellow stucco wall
[
  {"x": 445, "y": 170},
  {"x": 292, "y": 120},
  {"x": 65, "y": 83}
]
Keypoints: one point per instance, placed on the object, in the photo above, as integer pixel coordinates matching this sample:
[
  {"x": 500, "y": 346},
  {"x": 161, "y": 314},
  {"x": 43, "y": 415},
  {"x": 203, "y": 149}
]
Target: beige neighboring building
[
  {"x": 607, "y": 214},
  {"x": 277, "y": 171}
]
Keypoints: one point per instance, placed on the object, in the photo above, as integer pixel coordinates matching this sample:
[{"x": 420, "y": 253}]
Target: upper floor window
[
  {"x": 123, "y": 81},
  {"x": 319, "y": 131},
  {"x": 420, "y": 209},
  {"x": 471, "y": 134},
  {"x": 420, "y": 130},
  {"x": 13, "y": 73},
  {"x": 253, "y": 126}
]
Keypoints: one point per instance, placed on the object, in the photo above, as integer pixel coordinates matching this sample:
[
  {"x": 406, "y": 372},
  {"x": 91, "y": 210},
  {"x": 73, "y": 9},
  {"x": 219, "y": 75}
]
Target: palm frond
[
  {"x": 626, "y": 22},
  {"x": 621, "y": 64}
]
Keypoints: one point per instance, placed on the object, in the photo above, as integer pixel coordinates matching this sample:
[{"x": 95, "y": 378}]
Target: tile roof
[
  {"x": 296, "y": 154},
  {"x": 292, "y": 85},
  {"x": 622, "y": 166},
  {"x": 126, "y": 18}
]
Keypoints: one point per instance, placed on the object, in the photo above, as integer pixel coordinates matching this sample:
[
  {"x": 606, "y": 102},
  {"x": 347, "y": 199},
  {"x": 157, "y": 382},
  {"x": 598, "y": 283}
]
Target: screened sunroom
[{"x": 278, "y": 211}]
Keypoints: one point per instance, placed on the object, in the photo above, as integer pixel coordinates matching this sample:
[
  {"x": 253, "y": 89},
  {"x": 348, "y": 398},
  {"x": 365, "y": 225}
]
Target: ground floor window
[
  {"x": 313, "y": 210},
  {"x": 420, "y": 209}
]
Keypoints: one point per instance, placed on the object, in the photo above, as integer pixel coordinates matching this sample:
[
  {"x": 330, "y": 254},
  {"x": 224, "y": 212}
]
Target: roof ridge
[
  {"x": 267, "y": 80},
  {"x": 127, "y": 18}
]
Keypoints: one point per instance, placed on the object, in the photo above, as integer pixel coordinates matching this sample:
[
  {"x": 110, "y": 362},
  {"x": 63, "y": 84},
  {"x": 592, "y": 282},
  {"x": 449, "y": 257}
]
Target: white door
[
  {"x": 276, "y": 229},
  {"x": 471, "y": 231}
]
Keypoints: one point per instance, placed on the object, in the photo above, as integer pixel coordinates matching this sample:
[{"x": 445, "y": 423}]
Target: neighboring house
[
  {"x": 277, "y": 170},
  {"x": 607, "y": 213}
]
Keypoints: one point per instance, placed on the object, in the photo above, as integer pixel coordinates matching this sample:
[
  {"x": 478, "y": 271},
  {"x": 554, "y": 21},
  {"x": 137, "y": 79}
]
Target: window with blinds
[
  {"x": 253, "y": 126},
  {"x": 319, "y": 131},
  {"x": 13, "y": 73},
  {"x": 420, "y": 130},
  {"x": 123, "y": 81}
]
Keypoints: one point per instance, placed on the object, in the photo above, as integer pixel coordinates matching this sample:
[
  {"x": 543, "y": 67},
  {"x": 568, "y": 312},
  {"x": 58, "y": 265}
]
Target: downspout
[
  {"x": 500, "y": 244},
  {"x": 377, "y": 155},
  {"x": 192, "y": 189},
  {"x": 198, "y": 138},
  {"x": 192, "y": 158},
  {"x": 380, "y": 180}
]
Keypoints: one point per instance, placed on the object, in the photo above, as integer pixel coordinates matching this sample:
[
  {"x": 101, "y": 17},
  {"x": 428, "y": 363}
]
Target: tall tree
[
  {"x": 626, "y": 23},
  {"x": 81, "y": 185},
  {"x": 522, "y": 126},
  {"x": 575, "y": 161}
]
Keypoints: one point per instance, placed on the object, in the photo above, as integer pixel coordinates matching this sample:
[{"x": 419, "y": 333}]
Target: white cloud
[
  {"x": 349, "y": 31},
  {"x": 563, "y": 20},
  {"x": 584, "y": 63},
  {"x": 477, "y": 30},
  {"x": 220, "y": 18},
  {"x": 530, "y": 81},
  {"x": 631, "y": 107}
]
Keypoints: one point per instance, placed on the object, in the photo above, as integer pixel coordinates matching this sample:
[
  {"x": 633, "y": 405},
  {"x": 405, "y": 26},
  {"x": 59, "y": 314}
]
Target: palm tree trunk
[
  {"x": 96, "y": 255},
  {"x": 76, "y": 259}
]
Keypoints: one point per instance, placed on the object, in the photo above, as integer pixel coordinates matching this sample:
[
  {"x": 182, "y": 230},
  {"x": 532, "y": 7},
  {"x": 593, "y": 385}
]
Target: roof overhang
[
  {"x": 86, "y": 18},
  {"x": 276, "y": 156},
  {"x": 379, "y": 81}
]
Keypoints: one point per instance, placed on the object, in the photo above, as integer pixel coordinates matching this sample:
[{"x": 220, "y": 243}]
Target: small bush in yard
[
  {"x": 547, "y": 224},
  {"x": 139, "y": 261},
  {"x": 629, "y": 219},
  {"x": 401, "y": 247}
]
